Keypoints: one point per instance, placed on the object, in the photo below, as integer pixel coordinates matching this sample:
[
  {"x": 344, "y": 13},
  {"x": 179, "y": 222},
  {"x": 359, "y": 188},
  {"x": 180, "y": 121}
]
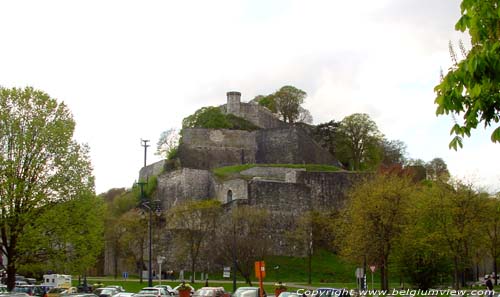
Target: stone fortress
[{"x": 285, "y": 192}]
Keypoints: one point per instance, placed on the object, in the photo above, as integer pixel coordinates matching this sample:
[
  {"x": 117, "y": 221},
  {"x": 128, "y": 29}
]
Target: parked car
[
  {"x": 118, "y": 288},
  {"x": 248, "y": 292},
  {"x": 209, "y": 292},
  {"x": 289, "y": 294},
  {"x": 168, "y": 288},
  {"x": 3, "y": 288},
  {"x": 59, "y": 292},
  {"x": 28, "y": 289},
  {"x": 13, "y": 294},
  {"x": 125, "y": 294},
  {"x": 81, "y": 294},
  {"x": 106, "y": 292},
  {"x": 152, "y": 291}
]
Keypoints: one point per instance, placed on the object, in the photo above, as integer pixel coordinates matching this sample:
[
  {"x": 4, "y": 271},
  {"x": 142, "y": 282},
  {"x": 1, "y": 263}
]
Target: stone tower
[{"x": 233, "y": 102}]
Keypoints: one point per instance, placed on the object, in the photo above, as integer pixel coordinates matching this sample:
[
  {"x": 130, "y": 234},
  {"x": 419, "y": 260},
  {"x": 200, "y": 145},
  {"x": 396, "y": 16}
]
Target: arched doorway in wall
[{"x": 229, "y": 196}]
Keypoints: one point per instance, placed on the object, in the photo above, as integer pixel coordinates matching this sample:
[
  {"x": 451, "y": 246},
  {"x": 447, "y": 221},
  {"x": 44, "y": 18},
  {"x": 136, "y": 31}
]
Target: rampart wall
[
  {"x": 152, "y": 169},
  {"x": 290, "y": 146},
  {"x": 208, "y": 148},
  {"x": 183, "y": 185},
  {"x": 328, "y": 189}
]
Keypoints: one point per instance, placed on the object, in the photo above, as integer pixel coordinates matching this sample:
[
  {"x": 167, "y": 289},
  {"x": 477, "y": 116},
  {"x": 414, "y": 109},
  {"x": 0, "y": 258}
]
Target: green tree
[
  {"x": 286, "y": 102},
  {"x": 471, "y": 88},
  {"x": 133, "y": 241},
  {"x": 373, "y": 221},
  {"x": 492, "y": 231},
  {"x": 326, "y": 134},
  {"x": 419, "y": 256},
  {"x": 40, "y": 163},
  {"x": 358, "y": 144},
  {"x": 193, "y": 223},
  {"x": 207, "y": 117},
  {"x": 455, "y": 211},
  {"x": 66, "y": 237},
  {"x": 393, "y": 152},
  {"x": 437, "y": 169}
]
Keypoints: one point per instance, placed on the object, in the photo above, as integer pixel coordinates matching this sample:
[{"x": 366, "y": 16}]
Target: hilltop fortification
[{"x": 287, "y": 190}]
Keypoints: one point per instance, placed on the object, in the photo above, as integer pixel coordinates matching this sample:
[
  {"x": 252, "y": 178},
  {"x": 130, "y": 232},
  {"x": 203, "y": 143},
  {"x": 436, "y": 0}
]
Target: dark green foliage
[
  {"x": 326, "y": 135},
  {"x": 238, "y": 123},
  {"x": 213, "y": 118},
  {"x": 207, "y": 117}
]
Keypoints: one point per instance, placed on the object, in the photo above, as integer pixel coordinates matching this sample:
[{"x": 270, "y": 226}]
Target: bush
[{"x": 214, "y": 118}]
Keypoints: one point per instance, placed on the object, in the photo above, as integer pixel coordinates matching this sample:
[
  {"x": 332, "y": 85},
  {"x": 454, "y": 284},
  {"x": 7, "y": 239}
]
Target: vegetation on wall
[
  {"x": 212, "y": 117},
  {"x": 229, "y": 171}
]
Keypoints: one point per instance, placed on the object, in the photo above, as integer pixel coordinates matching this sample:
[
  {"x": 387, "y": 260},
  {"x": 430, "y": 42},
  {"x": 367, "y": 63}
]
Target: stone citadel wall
[{"x": 208, "y": 148}]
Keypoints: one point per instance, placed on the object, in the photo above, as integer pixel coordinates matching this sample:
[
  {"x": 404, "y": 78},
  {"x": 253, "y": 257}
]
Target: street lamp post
[{"x": 150, "y": 207}]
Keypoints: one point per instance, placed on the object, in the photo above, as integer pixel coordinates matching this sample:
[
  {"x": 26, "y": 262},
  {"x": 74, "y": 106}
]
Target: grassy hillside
[
  {"x": 231, "y": 171},
  {"x": 326, "y": 267}
]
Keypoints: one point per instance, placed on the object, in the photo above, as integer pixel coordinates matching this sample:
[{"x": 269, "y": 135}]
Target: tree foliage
[
  {"x": 374, "y": 220},
  {"x": 66, "y": 237},
  {"x": 40, "y": 163},
  {"x": 213, "y": 118},
  {"x": 452, "y": 212},
  {"x": 193, "y": 223},
  {"x": 471, "y": 88},
  {"x": 358, "y": 142},
  {"x": 287, "y": 103}
]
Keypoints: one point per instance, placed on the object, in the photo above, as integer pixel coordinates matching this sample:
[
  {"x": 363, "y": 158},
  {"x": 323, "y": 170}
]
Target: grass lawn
[{"x": 229, "y": 171}]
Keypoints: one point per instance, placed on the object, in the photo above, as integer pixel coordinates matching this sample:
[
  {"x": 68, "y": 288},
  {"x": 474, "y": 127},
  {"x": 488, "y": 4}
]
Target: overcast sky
[{"x": 132, "y": 69}]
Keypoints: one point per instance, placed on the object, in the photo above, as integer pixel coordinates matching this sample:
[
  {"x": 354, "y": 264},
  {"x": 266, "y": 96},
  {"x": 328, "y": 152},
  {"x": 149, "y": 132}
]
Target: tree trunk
[
  {"x": 495, "y": 269},
  {"x": 11, "y": 274},
  {"x": 456, "y": 283},
  {"x": 115, "y": 264},
  {"x": 11, "y": 263},
  {"x": 192, "y": 269}
]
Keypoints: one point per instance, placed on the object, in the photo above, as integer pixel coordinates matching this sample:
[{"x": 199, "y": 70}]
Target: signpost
[
  {"x": 260, "y": 274},
  {"x": 361, "y": 278},
  {"x": 160, "y": 260},
  {"x": 372, "y": 268}
]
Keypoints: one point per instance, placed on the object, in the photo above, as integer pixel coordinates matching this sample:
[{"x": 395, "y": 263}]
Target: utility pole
[{"x": 145, "y": 145}]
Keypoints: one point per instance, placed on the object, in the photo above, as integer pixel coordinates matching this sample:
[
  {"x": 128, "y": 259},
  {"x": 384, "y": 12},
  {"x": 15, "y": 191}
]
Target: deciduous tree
[
  {"x": 193, "y": 223},
  {"x": 375, "y": 216},
  {"x": 41, "y": 164},
  {"x": 471, "y": 88},
  {"x": 358, "y": 144},
  {"x": 248, "y": 230},
  {"x": 168, "y": 143}
]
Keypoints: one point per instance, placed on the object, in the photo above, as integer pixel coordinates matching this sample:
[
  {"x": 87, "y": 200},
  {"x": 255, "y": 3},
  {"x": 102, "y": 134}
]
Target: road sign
[
  {"x": 260, "y": 270},
  {"x": 359, "y": 273},
  {"x": 227, "y": 272},
  {"x": 372, "y": 268},
  {"x": 125, "y": 275}
]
